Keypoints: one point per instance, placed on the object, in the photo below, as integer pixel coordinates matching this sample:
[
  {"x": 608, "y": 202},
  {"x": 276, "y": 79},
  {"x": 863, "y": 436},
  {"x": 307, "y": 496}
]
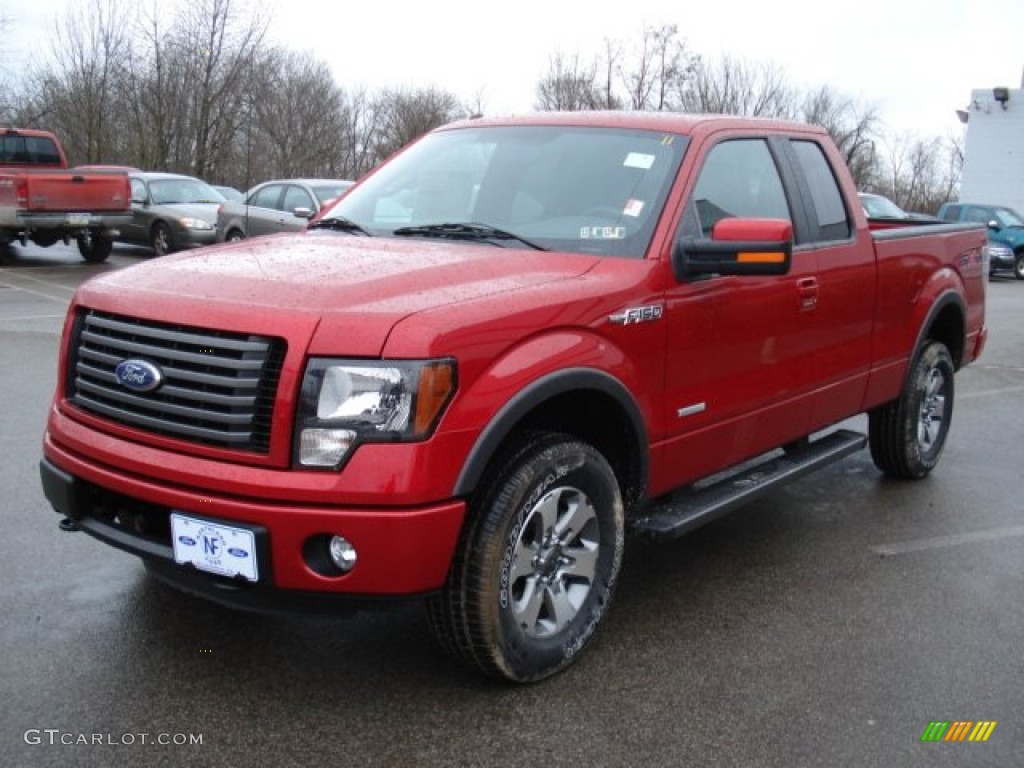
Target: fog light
[
  {"x": 343, "y": 554},
  {"x": 324, "y": 447}
]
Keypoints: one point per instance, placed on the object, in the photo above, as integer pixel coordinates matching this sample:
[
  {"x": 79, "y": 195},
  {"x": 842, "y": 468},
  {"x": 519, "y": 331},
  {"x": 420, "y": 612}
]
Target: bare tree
[
  {"x": 78, "y": 95},
  {"x": 405, "y": 115},
  {"x": 358, "y": 130},
  {"x": 854, "y": 127},
  {"x": 736, "y": 87},
  {"x": 299, "y": 111},
  {"x": 6, "y": 88},
  {"x": 609, "y": 65},
  {"x": 661, "y": 66},
  {"x": 568, "y": 86},
  {"x": 217, "y": 52},
  {"x": 921, "y": 174}
]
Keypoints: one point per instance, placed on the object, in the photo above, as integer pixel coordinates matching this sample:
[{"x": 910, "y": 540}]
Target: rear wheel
[
  {"x": 1018, "y": 266},
  {"x": 94, "y": 247},
  {"x": 160, "y": 239},
  {"x": 907, "y": 435},
  {"x": 537, "y": 561}
]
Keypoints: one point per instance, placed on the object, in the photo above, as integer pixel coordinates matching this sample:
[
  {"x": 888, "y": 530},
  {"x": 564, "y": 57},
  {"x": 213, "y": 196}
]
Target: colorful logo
[{"x": 958, "y": 730}]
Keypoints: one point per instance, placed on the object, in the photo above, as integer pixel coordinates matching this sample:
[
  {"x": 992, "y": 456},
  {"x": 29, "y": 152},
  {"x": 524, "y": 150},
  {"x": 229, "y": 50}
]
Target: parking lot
[{"x": 825, "y": 626}]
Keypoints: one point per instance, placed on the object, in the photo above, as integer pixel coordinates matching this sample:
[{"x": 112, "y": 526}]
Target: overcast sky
[{"x": 916, "y": 60}]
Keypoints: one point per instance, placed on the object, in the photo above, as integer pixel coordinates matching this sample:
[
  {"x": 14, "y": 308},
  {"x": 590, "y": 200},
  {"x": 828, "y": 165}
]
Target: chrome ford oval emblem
[{"x": 138, "y": 375}]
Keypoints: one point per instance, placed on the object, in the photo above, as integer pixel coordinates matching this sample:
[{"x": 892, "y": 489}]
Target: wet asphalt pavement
[{"x": 825, "y": 626}]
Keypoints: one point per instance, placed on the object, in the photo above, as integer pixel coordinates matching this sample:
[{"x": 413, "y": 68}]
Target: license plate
[
  {"x": 77, "y": 219},
  {"x": 212, "y": 547}
]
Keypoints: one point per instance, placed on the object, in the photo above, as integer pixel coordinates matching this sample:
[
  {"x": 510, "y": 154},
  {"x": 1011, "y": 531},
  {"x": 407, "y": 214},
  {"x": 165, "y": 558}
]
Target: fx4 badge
[{"x": 633, "y": 315}]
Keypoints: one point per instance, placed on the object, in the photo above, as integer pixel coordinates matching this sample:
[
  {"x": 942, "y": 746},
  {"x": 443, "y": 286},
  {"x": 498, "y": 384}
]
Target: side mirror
[
  {"x": 302, "y": 213},
  {"x": 736, "y": 247},
  {"x": 993, "y": 224}
]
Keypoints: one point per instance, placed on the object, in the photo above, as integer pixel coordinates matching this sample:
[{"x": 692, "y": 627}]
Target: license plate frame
[{"x": 214, "y": 547}]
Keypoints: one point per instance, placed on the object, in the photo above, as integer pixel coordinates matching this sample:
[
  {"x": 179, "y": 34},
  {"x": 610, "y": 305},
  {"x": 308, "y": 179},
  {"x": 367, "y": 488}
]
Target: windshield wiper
[
  {"x": 465, "y": 230},
  {"x": 339, "y": 223}
]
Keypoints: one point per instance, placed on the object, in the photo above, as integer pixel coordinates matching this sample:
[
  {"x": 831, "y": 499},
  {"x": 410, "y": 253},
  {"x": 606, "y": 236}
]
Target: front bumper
[
  {"x": 194, "y": 238},
  {"x": 402, "y": 551}
]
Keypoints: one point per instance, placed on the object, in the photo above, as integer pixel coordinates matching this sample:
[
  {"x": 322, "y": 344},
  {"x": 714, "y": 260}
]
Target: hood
[{"x": 353, "y": 288}]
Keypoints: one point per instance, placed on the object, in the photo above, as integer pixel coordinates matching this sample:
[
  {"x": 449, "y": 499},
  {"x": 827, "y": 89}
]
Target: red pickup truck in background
[
  {"x": 42, "y": 201},
  {"x": 511, "y": 344}
]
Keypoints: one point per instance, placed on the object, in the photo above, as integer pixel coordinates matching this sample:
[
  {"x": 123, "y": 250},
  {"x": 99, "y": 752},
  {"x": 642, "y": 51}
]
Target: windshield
[
  {"x": 325, "y": 192},
  {"x": 165, "y": 191},
  {"x": 878, "y": 207},
  {"x": 1008, "y": 217},
  {"x": 569, "y": 188}
]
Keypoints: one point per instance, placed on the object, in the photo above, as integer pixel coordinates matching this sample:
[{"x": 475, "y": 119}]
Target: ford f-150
[{"x": 510, "y": 345}]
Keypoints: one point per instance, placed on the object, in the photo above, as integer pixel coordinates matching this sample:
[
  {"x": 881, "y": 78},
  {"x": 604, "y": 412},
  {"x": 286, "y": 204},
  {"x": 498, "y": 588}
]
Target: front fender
[{"x": 535, "y": 372}]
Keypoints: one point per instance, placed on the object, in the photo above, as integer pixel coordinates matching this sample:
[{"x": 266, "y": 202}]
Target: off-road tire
[
  {"x": 537, "y": 561},
  {"x": 907, "y": 435}
]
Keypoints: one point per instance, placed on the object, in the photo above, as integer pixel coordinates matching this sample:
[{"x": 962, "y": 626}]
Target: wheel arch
[
  {"x": 945, "y": 322},
  {"x": 566, "y": 401}
]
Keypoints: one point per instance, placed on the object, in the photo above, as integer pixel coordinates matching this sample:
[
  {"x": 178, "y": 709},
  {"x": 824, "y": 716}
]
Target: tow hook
[{"x": 67, "y": 524}]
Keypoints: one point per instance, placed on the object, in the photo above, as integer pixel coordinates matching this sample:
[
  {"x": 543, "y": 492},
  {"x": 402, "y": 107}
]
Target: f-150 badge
[{"x": 633, "y": 315}]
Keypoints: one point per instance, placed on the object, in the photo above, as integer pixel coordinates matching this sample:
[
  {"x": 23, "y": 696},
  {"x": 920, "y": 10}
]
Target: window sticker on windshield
[
  {"x": 633, "y": 208},
  {"x": 602, "y": 233},
  {"x": 639, "y": 160}
]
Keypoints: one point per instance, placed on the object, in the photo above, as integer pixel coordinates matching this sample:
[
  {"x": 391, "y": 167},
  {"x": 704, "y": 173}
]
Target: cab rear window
[{"x": 28, "y": 150}]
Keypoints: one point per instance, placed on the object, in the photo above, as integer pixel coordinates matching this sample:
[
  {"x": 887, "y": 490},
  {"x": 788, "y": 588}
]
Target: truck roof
[
  {"x": 669, "y": 122},
  {"x": 7, "y": 131}
]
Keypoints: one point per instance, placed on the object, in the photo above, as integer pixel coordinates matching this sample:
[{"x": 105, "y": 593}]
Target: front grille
[{"x": 218, "y": 389}]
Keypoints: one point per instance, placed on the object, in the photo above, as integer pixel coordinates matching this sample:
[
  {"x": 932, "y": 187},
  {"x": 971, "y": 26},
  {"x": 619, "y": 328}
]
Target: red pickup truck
[
  {"x": 512, "y": 344},
  {"x": 42, "y": 201}
]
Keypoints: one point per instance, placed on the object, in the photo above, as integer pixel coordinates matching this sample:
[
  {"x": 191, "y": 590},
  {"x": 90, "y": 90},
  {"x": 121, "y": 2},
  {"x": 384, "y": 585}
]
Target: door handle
[{"x": 807, "y": 293}]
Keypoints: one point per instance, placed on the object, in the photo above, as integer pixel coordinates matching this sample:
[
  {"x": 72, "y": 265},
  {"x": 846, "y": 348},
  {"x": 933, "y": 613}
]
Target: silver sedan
[{"x": 284, "y": 205}]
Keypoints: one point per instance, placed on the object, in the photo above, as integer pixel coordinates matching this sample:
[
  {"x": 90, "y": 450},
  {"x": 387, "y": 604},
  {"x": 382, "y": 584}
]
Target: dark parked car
[
  {"x": 285, "y": 205},
  {"x": 1005, "y": 233},
  {"x": 171, "y": 212}
]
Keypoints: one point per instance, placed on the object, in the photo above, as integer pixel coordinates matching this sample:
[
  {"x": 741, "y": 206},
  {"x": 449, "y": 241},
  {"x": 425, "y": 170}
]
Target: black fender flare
[
  {"x": 943, "y": 300},
  {"x": 533, "y": 395}
]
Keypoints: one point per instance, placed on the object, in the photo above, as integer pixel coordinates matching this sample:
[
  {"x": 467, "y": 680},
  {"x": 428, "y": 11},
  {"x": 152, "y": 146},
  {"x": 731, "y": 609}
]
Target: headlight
[
  {"x": 347, "y": 402},
  {"x": 190, "y": 223}
]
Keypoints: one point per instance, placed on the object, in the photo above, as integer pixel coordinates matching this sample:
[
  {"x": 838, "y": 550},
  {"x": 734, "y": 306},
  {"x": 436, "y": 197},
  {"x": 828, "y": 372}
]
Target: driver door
[{"x": 738, "y": 376}]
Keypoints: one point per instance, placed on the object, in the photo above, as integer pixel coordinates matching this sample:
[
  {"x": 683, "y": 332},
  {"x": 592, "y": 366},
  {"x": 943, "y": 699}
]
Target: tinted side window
[
  {"x": 266, "y": 197},
  {"x": 980, "y": 215},
  {"x": 828, "y": 212},
  {"x": 951, "y": 213},
  {"x": 297, "y": 197},
  {"x": 739, "y": 178}
]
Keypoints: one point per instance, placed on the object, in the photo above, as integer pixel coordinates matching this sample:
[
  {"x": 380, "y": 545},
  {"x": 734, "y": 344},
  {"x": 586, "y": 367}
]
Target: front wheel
[
  {"x": 537, "y": 561},
  {"x": 160, "y": 239},
  {"x": 907, "y": 435},
  {"x": 1018, "y": 266}
]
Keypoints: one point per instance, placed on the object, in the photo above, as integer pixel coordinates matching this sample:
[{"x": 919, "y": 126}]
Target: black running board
[{"x": 687, "y": 510}]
